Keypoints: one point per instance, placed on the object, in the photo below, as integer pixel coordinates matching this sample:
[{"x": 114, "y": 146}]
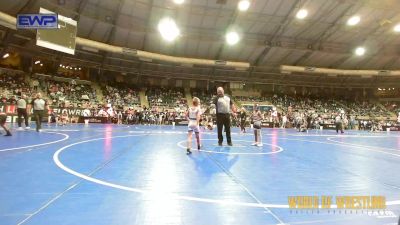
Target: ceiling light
[
  {"x": 6, "y": 55},
  {"x": 302, "y": 13},
  {"x": 244, "y": 5},
  {"x": 397, "y": 28},
  {"x": 37, "y": 62},
  {"x": 79, "y": 68},
  {"x": 168, "y": 29},
  {"x": 354, "y": 20},
  {"x": 360, "y": 51},
  {"x": 41, "y": 64},
  {"x": 179, "y": 1},
  {"x": 232, "y": 38}
]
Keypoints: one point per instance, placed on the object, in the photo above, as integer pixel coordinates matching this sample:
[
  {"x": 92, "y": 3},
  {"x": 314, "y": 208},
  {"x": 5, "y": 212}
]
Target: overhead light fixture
[
  {"x": 232, "y": 38},
  {"x": 244, "y": 5},
  {"x": 6, "y": 55},
  {"x": 37, "y": 62},
  {"x": 301, "y": 14},
  {"x": 41, "y": 64},
  {"x": 360, "y": 51},
  {"x": 168, "y": 29},
  {"x": 179, "y": 1},
  {"x": 354, "y": 20},
  {"x": 79, "y": 68},
  {"x": 397, "y": 28}
]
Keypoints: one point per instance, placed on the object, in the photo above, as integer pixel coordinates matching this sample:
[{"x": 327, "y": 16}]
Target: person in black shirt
[
  {"x": 3, "y": 99},
  {"x": 12, "y": 101},
  {"x": 224, "y": 107},
  {"x": 243, "y": 116},
  {"x": 22, "y": 112}
]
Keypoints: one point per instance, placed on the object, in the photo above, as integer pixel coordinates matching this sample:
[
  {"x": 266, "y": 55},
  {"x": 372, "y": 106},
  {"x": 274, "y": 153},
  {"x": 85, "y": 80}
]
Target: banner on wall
[{"x": 12, "y": 109}]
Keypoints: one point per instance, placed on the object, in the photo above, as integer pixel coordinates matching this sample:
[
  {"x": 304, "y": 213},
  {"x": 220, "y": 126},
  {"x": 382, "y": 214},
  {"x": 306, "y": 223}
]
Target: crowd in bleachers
[
  {"x": 204, "y": 96},
  {"x": 13, "y": 85},
  {"x": 315, "y": 112},
  {"x": 329, "y": 106},
  {"x": 163, "y": 97},
  {"x": 75, "y": 94},
  {"x": 392, "y": 106},
  {"x": 251, "y": 99},
  {"x": 150, "y": 117},
  {"x": 120, "y": 96},
  {"x": 169, "y": 104}
]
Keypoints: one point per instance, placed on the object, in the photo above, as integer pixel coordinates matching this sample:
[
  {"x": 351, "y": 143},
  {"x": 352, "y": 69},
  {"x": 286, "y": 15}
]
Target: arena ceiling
[{"x": 271, "y": 35}]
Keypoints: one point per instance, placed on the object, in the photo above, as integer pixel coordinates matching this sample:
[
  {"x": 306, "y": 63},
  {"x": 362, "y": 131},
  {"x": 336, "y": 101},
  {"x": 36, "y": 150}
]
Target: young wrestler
[
  {"x": 256, "y": 117},
  {"x": 193, "y": 116}
]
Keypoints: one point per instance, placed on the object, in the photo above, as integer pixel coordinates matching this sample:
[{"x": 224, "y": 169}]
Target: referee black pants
[
  {"x": 22, "y": 113},
  {"x": 339, "y": 126},
  {"x": 39, "y": 114},
  {"x": 224, "y": 120}
]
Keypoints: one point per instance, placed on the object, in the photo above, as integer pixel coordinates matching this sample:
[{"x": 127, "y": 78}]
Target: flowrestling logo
[{"x": 37, "y": 21}]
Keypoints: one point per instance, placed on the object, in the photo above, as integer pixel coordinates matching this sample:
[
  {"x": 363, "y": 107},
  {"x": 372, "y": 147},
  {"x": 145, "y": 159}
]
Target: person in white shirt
[
  {"x": 284, "y": 121},
  {"x": 86, "y": 114},
  {"x": 193, "y": 115},
  {"x": 102, "y": 113},
  {"x": 274, "y": 117},
  {"x": 398, "y": 118},
  {"x": 119, "y": 115},
  {"x": 160, "y": 118},
  {"x": 110, "y": 112}
]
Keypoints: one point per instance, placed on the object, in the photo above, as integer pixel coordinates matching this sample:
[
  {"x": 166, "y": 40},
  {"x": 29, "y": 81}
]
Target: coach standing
[
  {"x": 224, "y": 105},
  {"x": 22, "y": 112},
  {"x": 39, "y": 106}
]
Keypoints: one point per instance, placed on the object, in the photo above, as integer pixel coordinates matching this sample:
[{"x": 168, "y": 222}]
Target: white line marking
[
  {"x": 47, "y": 204},
  {"x": 180, "y": 144},
  {"x": 59, "y": 130},
  {"x": 154, "y": 193},
  {"x": 339, "y": 144},
  {"x": 363, "y": 146},
  {"x": 66, "y": 136},
  {"x": 237, "y": 181}
]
